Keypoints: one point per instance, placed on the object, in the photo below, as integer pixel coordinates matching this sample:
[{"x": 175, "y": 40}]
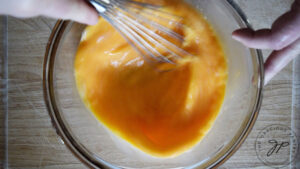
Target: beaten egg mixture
[{"x": 162, "y": 113}]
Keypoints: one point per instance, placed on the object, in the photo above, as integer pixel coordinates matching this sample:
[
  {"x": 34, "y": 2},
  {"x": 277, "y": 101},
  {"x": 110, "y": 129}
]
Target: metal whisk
[{"x": 145, "y": 27}]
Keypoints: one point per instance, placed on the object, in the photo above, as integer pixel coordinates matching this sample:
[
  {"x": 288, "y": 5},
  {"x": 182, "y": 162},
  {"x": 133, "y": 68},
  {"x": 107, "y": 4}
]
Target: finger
[
  {"x": 279, "y": 59},
  {"x": 284, "y": 31},
  {"x": 77, "y": 10},
  {"x": 260, "y": 39}
]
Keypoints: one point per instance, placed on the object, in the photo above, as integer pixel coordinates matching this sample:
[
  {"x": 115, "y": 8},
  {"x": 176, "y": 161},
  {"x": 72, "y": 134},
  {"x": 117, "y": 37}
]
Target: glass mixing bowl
[{"x": 96, "y": 147}]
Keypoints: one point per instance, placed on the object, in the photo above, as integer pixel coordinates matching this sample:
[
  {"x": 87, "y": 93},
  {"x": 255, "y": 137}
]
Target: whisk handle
[{"x": 100, "y": 5}]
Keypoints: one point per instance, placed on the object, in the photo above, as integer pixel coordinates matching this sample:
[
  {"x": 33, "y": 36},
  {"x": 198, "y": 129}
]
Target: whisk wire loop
[{"x": 132, "y": 19}]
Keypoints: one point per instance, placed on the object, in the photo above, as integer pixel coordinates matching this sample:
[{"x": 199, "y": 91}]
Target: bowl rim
[{"x": 77, "y": 149}]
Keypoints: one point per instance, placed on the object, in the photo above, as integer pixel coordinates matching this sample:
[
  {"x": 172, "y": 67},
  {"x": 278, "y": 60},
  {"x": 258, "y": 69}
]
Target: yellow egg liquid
[{"x": 162, "y": 113}]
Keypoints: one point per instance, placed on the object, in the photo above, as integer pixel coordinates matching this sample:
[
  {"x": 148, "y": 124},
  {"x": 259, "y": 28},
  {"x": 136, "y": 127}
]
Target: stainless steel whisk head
[{"x": 146, "y": 27}]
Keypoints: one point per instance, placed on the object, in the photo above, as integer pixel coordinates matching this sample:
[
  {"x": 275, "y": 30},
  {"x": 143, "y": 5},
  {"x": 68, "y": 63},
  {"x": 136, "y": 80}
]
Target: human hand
[
  {"x": 283, "y": 38},
  {"x": 77, "y": 10}
]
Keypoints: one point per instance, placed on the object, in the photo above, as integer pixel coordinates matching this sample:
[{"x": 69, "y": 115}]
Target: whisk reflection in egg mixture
[{"x": 149, "y": 27}]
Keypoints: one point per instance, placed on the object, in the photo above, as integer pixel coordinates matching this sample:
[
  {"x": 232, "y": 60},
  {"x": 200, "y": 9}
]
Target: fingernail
[
  {"x": 92, "y": 21},
  {"x": 236, "y": 37}
]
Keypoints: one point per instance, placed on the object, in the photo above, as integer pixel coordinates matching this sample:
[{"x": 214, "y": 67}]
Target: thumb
[{"x": 77, "y": 10}]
